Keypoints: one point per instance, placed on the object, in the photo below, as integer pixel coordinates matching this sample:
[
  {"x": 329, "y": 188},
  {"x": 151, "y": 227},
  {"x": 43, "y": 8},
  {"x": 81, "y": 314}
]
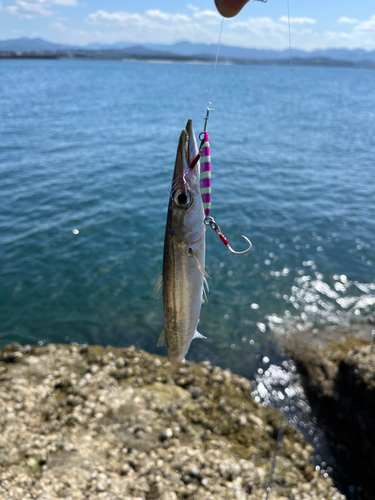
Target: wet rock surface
[
  {"x": 339, "y": 381},
  {"x": 81, "y": 422}
]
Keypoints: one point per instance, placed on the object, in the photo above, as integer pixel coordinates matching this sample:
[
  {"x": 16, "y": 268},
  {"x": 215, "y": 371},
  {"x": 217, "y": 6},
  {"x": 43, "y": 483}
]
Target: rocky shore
[
  {"x": 79, "y": 422},
  {"x": 339, "y": 382}
]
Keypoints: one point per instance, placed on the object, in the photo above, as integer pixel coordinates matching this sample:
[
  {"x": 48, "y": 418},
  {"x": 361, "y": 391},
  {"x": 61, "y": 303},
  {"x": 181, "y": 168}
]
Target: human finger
[{"x": 230, "y": 8}]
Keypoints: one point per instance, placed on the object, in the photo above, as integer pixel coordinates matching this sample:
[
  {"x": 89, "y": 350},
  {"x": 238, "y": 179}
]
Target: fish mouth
[
  {"x": 187, "y": 151},
  {"x": 192, "y": 144},
  {"x": 182, "y": 161}
]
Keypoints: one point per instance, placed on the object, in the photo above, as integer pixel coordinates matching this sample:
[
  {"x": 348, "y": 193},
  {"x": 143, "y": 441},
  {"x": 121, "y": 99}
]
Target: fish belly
[{"x": 183, "y": 288}]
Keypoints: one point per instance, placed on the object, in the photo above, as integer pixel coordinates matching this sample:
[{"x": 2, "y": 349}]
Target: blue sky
[{"x": 315, "y": 24}]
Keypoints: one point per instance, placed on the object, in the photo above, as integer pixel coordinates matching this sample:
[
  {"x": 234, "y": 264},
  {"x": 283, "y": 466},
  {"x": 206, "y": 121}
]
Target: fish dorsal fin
[
  {"x": 198, "y": 335},
  {"x": 157, "y": 291},
  {"x": 200, "y": 267},
  {"x": 161, "y": 340}
]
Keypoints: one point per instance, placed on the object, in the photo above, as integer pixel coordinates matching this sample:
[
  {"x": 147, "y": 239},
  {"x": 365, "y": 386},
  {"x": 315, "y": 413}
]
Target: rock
[
  {"x": 108, "y": 423},
  {"x": 229, "y": 470},
  {"x": 102, "y": 482},
  {"x": 33, "y": 464},
  {"x": 166, "y": 434},
  {"x": 242, "y": 420},
  {"x": 169, "y": 495},
  {"x": 339, "y": 380}
]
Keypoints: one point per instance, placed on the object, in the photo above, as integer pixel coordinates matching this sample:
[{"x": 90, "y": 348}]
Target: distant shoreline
[{"x": 110, "y": 56}]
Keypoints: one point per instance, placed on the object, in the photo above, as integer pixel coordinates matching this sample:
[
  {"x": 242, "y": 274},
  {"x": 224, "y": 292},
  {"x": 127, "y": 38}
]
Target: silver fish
[{"x": 184, "y": 253}]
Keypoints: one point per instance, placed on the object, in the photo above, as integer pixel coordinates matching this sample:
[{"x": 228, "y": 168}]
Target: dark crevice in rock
[{"x": 339, "y": 381}]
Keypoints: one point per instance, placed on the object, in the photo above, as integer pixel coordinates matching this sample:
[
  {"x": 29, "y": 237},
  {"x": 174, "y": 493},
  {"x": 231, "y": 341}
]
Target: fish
[{"x": 184, "y": 275}]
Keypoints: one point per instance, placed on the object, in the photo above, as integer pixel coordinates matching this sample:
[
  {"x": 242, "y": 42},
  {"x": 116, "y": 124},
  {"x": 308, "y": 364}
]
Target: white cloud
[
  {"x": 197, "y": 26},
  {"x": 30, "y": 8},
  {"x": 208, "y": 17},
  {"x": 159, "y": 16},
  {"x": 267, "y": 33},
  {"x": 155, "y": 26},
  {"x": 58, "y": 27},
  {"x": 68, "y": 3},
  {"x": 347, "y": 20},
  {"x": 12, "y": 9},
  {"x": 360, "y": 35},
  {"x": 201, "y": 26},
  {"x": 126, "y": 19},
  {"x": 366, "y": 26},
  {"x": 193, "y": 8},
  {"x": 257, "y": 32},
  {"x": 115, "y": 17},
  {"x": 297, "y": 20}
]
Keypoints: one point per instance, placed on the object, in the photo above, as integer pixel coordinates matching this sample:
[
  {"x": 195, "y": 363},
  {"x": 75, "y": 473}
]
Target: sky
[{"x": 318, "y": 24}]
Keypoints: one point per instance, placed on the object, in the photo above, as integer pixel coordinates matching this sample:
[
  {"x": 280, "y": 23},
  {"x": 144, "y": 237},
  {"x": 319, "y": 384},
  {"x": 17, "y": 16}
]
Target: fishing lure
[
  {"x": 205, "y": 178},
  {"x": 204, "y": 155}
]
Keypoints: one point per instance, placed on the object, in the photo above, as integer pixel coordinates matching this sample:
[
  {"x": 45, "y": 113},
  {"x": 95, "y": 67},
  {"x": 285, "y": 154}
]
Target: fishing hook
[
  {"x": 244, "y": 251},
  {"x": 210, "y": 221}
]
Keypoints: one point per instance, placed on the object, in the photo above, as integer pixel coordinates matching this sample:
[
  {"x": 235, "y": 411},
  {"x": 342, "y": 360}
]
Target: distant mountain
[
  {"x": 188, "y": 49},
  {"x": 200, "y": 49},
  {"x": 134, "y": 51},
  {"x": 195, "y": 49},
  {"x": 354, "y": 55},
  {"x": 31, "y": 45},
  {"x": 119, "y": 45},
  {"x": 141, "y": 51}
]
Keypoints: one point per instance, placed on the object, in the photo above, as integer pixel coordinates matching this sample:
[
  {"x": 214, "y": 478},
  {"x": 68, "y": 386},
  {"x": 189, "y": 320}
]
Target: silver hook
[
  {"x": 244, "y": 251},
  {"x": 210, "y": 221}
]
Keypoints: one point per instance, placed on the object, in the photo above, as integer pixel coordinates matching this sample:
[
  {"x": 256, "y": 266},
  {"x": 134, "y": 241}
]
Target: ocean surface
[{"x": 87, "y": 150}]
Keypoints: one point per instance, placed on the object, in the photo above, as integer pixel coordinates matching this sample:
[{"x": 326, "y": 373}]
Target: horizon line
[{"x": 185, "y": 41}]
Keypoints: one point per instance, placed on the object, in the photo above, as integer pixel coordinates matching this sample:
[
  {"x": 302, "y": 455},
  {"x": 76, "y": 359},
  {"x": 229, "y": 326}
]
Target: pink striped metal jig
[
  {"x": 205, "y": 180},
  {"x": 204, "y": 155}
]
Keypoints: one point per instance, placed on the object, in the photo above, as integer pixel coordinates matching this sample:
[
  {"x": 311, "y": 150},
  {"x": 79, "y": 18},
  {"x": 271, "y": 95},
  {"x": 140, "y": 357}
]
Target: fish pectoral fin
[
  {"x": 161, "y": 340},
  {"x": 200, "y": 267},
  {"x": 205, "y": 290},
  {"x": 198, "y": 335},
  {"x": 157, "y": 291}
]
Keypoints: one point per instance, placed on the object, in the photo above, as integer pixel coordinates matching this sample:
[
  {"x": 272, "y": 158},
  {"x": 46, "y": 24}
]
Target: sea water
[{"x": 87, "y": 150}]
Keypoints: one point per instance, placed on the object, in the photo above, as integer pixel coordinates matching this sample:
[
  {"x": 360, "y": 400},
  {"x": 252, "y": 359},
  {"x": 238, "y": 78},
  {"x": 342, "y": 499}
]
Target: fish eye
[{"x": 182, "y": 199}]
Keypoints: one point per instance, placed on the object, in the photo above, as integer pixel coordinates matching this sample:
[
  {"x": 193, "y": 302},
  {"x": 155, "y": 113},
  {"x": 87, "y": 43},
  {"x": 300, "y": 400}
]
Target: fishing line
[
  {"x": 215, "y": 65},
  {"x": 204, "y": 155},
  {"x": 284, "y": 418},
  {"x": 195, "y": 161},
  {"x": 292, "y": 121},
  {"x": 291, "y": 82},
  {"x": 273, "y": 467},
  {"x": 292, "y": 118}
]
